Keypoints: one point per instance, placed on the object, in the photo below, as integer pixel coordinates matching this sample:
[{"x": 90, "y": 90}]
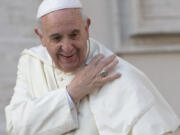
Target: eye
[
  {"x": 73, "y": 35},
  {"x": 56, "y": 39}
]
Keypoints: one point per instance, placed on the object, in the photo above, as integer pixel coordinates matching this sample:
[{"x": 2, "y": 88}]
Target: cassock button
[{"x": 61, "y": 79}]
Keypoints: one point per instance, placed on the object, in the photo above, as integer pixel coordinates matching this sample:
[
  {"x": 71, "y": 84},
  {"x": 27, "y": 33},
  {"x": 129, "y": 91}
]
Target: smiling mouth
[{"x": 66, "y": 56}]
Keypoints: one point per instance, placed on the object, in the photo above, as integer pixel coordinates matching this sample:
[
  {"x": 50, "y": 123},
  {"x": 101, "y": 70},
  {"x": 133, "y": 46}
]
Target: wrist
[{"x": 73, "y": 95}]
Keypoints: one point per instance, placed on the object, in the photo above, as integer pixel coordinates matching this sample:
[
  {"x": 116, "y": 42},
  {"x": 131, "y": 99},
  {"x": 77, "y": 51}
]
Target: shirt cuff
[
  {"x": 71, "y": 103},
  {"x": 73, "y": 107}
]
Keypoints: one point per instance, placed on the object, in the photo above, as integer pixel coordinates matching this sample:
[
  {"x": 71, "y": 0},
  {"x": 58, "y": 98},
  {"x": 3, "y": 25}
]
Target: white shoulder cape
[{"x": 128, "y": 104}]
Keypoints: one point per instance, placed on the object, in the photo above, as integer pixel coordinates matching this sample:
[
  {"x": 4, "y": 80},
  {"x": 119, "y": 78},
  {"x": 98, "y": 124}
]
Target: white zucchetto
[{"x": 48, "y": 6}]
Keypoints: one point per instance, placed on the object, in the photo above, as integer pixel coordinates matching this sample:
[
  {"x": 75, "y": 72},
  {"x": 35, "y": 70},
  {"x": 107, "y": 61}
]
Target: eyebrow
[
  {"x": 76, "y": 31},
  {"x": 54, "y": 35},
  {"x": 57, "y": 34}
]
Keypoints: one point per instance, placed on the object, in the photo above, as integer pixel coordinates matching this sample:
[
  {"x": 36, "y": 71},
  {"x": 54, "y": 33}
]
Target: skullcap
[{"x": 48, "y": 6}]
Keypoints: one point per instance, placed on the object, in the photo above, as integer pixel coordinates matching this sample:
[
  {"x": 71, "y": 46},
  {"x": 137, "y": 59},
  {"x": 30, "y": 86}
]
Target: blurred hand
[{"x": 90, "y": 78}]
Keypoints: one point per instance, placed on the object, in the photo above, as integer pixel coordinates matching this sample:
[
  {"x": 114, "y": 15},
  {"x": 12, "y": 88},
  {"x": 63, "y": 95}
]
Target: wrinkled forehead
[
  {"x": 62, "y": 15},
  {"x": 61, "y": 18}
]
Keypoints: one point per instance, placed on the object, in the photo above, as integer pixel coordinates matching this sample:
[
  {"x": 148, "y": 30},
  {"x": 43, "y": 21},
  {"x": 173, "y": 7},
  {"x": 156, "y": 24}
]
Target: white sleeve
[{"x": 50, "y": 114}]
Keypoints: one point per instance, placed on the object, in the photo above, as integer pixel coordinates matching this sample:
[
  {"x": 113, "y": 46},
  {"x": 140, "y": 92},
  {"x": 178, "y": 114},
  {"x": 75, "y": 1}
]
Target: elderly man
[{"x": 72, "y": 85}]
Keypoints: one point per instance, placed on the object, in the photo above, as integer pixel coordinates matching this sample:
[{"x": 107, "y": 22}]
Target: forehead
[{"x": 62, "y": 18}]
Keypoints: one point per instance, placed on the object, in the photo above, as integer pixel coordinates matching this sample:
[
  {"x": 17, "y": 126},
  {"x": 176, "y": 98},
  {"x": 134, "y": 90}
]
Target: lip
[{"x": 66, "y": 59}]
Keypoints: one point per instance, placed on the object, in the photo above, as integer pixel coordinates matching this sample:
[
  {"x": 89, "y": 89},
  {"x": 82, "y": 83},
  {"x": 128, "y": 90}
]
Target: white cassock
[{"x": 130, "y": 105}]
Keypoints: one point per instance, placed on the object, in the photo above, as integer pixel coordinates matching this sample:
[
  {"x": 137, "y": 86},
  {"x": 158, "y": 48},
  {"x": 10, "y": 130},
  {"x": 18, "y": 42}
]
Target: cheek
[
  {"x": 52, "y": 51},
  {"x": 83, "y": 51},
  {"x": 81, "y": 46}
]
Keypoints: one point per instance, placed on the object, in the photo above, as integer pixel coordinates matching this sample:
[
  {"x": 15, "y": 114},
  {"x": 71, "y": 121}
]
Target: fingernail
[
  {"x": 119, "y": 74},
  {"x": 114, "y": 56},
  {"x": 116, "y": 60}
]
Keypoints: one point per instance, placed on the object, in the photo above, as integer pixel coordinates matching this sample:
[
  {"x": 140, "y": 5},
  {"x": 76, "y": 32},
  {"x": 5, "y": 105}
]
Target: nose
[{"x": 66, "y": 45}]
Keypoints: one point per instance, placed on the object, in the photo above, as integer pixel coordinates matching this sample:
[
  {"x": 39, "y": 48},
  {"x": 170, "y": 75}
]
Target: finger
[
  {"x": 105, "y": 62},
  {"x": 111, "y": 66},
  {"x": 96, "y": 59},
  {"x": 110, "y": 78}
]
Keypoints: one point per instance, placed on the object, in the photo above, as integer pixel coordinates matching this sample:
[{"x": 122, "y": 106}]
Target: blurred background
[{"x": 145, "y": 33}]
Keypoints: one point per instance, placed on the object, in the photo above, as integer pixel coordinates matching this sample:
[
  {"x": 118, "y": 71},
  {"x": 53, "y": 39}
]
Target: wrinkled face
[{"x": 65, "y": 35}]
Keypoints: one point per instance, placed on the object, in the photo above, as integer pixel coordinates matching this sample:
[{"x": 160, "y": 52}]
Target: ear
[
  {"x": 38, "y": 33},
  {"x": 88, "y": 23}
]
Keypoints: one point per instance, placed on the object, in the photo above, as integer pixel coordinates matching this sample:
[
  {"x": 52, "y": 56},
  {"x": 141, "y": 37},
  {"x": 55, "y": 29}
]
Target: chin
[{"x": 69, "y": 68}]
